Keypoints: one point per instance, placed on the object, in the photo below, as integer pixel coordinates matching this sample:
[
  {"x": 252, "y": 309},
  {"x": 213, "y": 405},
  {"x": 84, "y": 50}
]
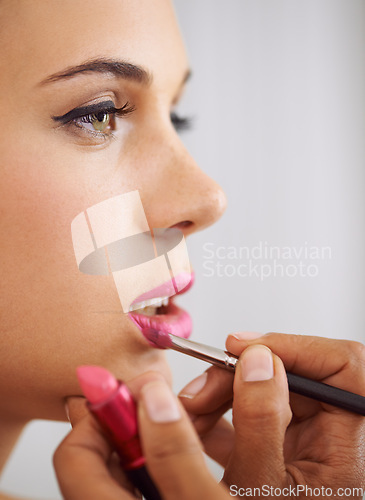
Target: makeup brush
[{"x": 300, "y": 385}]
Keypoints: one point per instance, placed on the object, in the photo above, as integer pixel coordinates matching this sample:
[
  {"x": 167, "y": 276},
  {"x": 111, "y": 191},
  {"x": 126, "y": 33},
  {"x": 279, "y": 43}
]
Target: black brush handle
[
  {"x": 228, "y": 361},
  {"x": 142, "y": 480},
  {"x": 326, "y": 393}
]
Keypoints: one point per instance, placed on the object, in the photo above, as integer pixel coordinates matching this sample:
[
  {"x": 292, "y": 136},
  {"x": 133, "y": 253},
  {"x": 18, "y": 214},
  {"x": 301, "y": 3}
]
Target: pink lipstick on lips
[
  {"x": 171, "y": 318},
  {"x": 178, "y": 284},
  {"x": 110, "y": 401}
]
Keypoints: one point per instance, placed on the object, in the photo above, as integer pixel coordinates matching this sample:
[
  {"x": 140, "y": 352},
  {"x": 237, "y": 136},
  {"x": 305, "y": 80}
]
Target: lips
[
  {"x": 178, "y": 284},
  {"x": 172, "y": 319}
]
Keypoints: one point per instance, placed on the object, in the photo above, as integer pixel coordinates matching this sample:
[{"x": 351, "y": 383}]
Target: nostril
[{"x": 183, "y": 225}]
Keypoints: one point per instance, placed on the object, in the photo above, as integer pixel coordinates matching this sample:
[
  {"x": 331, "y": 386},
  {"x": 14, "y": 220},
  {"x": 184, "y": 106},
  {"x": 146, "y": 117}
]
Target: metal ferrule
[{"x": 206, "y": 353}]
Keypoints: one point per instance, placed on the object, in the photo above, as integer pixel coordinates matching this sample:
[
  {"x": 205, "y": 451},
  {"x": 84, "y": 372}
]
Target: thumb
[
  {"x": 261, "y": 414},
  {"x": 172, "y": 448},
  {"x": 76, "y": 409}
]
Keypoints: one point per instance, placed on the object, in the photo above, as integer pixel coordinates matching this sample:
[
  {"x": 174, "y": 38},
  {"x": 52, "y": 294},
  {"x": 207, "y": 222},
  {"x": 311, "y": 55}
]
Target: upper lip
[
  {"x": 176, "y": 286},
  {"x": 189, "y": 283}
]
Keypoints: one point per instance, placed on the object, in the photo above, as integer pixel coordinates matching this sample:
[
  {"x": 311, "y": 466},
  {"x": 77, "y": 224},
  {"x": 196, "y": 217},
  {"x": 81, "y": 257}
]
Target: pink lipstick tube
[
  {"x": 113, "y": 406},
  {"x": 118, "y": 417}
]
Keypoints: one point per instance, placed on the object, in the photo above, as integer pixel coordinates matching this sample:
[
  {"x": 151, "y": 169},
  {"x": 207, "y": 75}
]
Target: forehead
[{"x": 39, "y": 38}]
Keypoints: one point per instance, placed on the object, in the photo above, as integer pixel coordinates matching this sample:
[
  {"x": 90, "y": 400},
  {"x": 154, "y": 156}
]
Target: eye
[
  {"x": 99, "y": 121},
  {"x": 96, "y": 118},
  {"x": 181, "y": 123}
]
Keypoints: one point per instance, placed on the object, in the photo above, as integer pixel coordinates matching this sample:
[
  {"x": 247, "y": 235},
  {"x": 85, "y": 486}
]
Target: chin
[
  {"x": 160, "y": 365},
  {"x": 150, "y": 360}
]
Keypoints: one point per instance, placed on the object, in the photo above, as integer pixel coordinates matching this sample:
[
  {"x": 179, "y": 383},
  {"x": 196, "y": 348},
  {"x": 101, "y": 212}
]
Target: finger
[
  {"x": 204, "y": 424},
  {"x": 340, "y": 362},
  {"x": 261, "y": 414},
  {"x": 208, "y": 392},
  {"x": 81, "y": 465},
  {"x": 172, "y": 448},
  {"x": 210, "y": 429},
  {"x": 218, "y": 443},
  {"x": 76, "y": 409},
  {"x": 136, "y": 384},
  {"x": 76, "y": 406},
  {"x": 206, "y": 399}
]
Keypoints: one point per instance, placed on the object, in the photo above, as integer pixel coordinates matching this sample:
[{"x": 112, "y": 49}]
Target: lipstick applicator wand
[
  {"x": 113, "y": 406},
  {"x": 224, "y": 359}
]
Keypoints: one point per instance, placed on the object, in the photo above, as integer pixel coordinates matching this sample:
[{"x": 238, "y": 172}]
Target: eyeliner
[{"x": 106, "y": 107}]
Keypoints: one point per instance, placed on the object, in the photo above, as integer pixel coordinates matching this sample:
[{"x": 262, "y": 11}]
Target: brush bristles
[{"x": 157, "y": 338}]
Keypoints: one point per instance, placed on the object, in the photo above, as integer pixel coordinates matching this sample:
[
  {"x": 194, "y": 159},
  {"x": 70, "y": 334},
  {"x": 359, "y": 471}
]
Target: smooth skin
[
  {"x": 277, "y": 440},
  {"x": 52, "y": 317}
]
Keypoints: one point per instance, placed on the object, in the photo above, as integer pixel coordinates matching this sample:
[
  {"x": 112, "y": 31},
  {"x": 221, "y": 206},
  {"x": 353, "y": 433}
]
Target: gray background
[{"x": 278, "y": 95}]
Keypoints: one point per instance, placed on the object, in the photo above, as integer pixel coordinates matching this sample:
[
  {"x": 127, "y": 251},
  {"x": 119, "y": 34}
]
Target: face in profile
[{"x": 88, "y": 92}]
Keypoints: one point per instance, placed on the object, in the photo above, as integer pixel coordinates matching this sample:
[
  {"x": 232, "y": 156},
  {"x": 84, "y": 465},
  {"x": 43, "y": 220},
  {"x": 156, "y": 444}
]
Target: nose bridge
[{"x": 188, "y": 193}]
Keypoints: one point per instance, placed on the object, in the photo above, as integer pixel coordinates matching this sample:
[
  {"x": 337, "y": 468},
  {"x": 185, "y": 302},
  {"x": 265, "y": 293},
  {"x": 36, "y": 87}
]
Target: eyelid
[
  {"x": 180, "y": 123},
  {"x": 107, "y": 107},
  {"x": 85, "y": 110}
]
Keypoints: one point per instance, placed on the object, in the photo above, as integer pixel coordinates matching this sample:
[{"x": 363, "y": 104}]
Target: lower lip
[{"x": 176, "y": 321}]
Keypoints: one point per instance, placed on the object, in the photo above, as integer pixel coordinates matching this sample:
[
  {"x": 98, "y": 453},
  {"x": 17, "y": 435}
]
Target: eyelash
[
  {"x": 180, "y": 123},
  {"x": 85, "y": 113}
]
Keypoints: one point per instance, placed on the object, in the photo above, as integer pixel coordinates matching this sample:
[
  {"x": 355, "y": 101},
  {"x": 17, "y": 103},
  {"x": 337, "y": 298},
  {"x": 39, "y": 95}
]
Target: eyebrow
[{"x": 120, "y": 69}]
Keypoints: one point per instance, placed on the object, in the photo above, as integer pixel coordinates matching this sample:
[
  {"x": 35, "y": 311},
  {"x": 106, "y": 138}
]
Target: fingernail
[
  {"x": 257, "y": 364},
  {"x": 194, "y": 387},
  {"x": 160, "y": 403},
  {"x": 246, "y": 335},
  {"x": 67, "y": 411}
]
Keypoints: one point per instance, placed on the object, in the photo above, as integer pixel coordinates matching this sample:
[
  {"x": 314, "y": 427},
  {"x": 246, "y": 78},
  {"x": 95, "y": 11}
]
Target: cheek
[
  {"x": 52, "y": 317},
  {"x": 37, "y": 209},
  {"x": 46, "y": 182},
  {"x": 44, "y": 299},
  {"x": 41, "y": 192}
]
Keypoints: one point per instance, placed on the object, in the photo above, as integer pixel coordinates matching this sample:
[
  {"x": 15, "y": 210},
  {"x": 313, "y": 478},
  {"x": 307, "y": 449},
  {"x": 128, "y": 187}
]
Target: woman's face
[{"x": 56, "y": 163}]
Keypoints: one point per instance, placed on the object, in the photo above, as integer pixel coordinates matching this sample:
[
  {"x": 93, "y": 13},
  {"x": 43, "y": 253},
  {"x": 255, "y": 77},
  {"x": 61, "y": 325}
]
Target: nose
[{"x": 179, "y": 193}]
